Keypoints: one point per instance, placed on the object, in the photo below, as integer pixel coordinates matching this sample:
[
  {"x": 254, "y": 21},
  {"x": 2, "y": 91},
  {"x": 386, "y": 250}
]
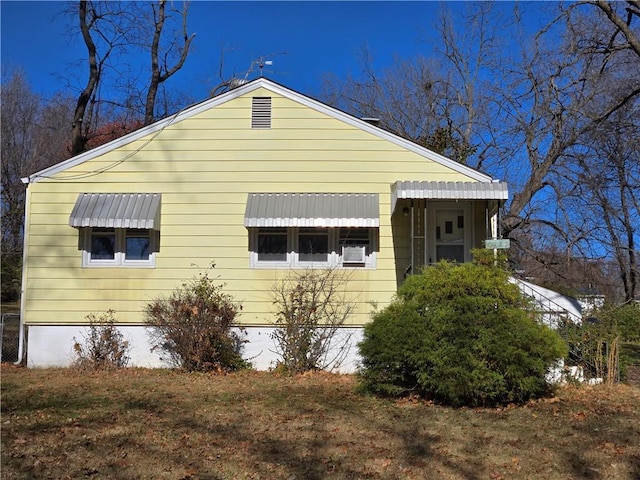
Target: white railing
[{"x": 552, "y": 311}]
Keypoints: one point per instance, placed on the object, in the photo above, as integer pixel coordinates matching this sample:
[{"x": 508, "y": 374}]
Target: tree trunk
[
  {"x": 157, "y": 77},
  {"x": 79, "y": 140}
]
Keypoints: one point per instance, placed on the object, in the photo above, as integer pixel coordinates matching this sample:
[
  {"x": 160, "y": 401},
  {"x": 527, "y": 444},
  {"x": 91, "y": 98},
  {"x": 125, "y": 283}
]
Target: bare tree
[
  {"x": 532, "y": 123},
  {"x": 438, "y": 101},
  {"x": 33, "y": 137},
  {"x": 95, "y": 19},
  {"x": 609, "y": 39},
  {"x": 605, "y": 196},
  {"x": 561, "y": 103},
  {"x": 598, "y": 181},
  {"x": 161, "y": 70},
  {"x": 110, "y": 31},
  {"x": 409, "y": 99},
  {"x": 622, "y": 15}
]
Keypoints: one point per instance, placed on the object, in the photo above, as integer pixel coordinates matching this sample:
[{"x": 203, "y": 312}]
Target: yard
[{"x": 153, "y": 424}]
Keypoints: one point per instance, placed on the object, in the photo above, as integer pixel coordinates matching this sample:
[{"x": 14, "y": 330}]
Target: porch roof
[
  {"x": 494, "y": 190},
  {"x": 117, "y": 210},
  {"x": 312, "y": 210}
]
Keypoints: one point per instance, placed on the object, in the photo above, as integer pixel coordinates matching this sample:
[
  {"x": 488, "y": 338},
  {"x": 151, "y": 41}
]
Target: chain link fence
[{"x": 10, "y": 337}]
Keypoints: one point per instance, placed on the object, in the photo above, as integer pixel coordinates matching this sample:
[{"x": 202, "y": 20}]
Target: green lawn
[{"x": 153, "y": 424}]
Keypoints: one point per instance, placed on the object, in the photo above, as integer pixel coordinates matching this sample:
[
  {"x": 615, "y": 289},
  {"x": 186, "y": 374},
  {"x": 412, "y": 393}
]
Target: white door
[{"x": 451, "y": 234}]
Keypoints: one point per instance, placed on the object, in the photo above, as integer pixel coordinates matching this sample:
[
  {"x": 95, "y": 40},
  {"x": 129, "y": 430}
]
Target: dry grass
[{"x": 153, "y": 424}]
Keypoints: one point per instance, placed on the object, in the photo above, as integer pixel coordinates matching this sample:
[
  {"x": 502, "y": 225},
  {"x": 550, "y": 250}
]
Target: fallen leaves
[
  {"x": 158, "y": 424},
  {"x": 581, "y": 415}
]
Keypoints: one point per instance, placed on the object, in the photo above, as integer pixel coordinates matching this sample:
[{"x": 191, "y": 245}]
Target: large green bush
[{"x": 460, "y": 335}]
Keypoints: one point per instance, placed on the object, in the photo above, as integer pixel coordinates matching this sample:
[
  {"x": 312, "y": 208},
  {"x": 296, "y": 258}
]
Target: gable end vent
[{"x": 261, "y": 112}]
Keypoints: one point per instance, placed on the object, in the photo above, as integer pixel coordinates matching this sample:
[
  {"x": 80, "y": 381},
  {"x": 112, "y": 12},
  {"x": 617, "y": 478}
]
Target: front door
[{"x": 451, "y": 234}]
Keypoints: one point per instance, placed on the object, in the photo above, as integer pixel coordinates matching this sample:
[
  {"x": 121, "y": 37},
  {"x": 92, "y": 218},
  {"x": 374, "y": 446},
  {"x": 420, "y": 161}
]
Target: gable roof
[{"x": 156, "y": 128}]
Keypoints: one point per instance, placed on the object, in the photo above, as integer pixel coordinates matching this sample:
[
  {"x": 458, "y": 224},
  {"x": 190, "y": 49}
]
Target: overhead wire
[{"x": 80, "y": 176}]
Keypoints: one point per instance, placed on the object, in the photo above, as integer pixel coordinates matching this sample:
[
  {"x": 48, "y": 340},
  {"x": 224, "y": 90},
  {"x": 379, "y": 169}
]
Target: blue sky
[
  {"x": 318, "y": 38},
  {"x": 308, "y": 39}
]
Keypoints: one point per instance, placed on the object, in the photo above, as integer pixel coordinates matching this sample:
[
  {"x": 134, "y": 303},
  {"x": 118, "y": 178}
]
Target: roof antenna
[
  {"x": 262, "y": 63},
  {"x": 237, "y": 81}
]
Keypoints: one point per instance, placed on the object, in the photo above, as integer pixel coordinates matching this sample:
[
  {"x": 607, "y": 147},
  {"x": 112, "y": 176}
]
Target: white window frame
[
  {"x": 119, "y": 259},
  {"x": 334, "y": 257}
]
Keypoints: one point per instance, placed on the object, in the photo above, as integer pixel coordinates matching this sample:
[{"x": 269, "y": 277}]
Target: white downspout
[{"x": 24, "y": 271}]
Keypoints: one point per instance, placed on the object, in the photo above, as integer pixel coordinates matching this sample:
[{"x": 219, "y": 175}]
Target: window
[
  {"x": 272, "y": 245},
  {"x": 313, "y": 245},
  {"x": 103, "y": 244},
  {"x": 304, "y": 247},
  {"x": 137, "y": 245},
  {"x": 119, "y": 247},
  {"x": 355, "y": 245}
]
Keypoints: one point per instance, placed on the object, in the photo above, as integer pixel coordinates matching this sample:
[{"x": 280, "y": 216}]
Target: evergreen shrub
[{"x": 459, "y": 334}]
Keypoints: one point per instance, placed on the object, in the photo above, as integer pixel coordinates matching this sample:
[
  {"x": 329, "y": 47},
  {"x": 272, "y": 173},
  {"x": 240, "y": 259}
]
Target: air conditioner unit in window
[{"x": 353, "y": 254}]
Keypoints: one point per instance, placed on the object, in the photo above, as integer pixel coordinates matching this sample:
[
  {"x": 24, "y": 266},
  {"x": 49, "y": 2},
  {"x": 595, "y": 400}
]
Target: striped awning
[
  {"x": 312, "y": 210},
  {"x": 448, "y": 191},
  {"x": 117, "y": 210}
]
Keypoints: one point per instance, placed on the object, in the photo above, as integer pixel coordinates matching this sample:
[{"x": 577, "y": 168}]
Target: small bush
[
  {"x": 460, "y": 335},
  {"x": 312, "y": 306},
  {"x": 103, "y": 347},
  {"x": 192, "y": 326},
  {"x": 602, "y": 346}
]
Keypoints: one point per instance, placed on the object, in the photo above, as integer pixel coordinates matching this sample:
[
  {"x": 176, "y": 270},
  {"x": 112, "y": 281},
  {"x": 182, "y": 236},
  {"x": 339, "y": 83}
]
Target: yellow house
[{"x": 259, "y": 180}]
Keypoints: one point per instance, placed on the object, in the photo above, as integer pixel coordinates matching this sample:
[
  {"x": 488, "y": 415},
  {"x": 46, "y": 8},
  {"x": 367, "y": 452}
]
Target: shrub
[
  {"x": 10, "y": 276},
  {"x": 628, "y": 319},
  {"x": 312, "y": 306},
  {"x": 193, "y": 327},
  {"x": 602, "y": 346},
  {"x": 103, "y": 347},
  {"x": 460, "y": 335}
]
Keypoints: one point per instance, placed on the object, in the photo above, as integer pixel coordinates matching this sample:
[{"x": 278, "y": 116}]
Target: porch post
[
  {"x": 412, "y": 236},
  {"x": 426, "y": 236}
]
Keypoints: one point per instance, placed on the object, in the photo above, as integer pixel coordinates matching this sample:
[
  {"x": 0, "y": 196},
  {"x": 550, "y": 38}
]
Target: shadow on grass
[{"x": 164, "y": 425}]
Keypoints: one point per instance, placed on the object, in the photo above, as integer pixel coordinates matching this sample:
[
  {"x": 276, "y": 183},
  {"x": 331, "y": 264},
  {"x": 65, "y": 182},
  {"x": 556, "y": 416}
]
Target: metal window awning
[
  {"x": 312, "y": 210},
  {"x": 117, "y": 210},
  {"x": 448, "y": 191}
]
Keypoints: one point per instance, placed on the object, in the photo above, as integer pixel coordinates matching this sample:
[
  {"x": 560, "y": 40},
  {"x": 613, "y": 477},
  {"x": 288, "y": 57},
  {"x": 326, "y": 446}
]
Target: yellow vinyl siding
[
  {"x": 339, "y": 161},
  {"x": 204, "y": 166}
]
